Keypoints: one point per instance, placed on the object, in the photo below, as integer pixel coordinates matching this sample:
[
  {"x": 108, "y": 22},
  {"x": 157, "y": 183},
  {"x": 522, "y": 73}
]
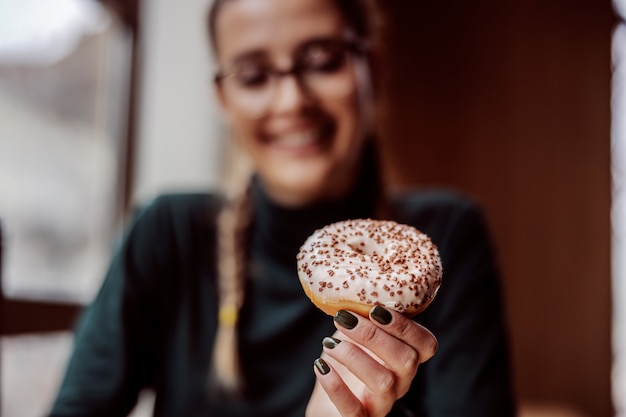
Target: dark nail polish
[
  {"x": 330, "y": 342},
  {"x": 381, "y": 315},
  {"x": 321, "y": 366},
  {"x": 346, "y": 320}
]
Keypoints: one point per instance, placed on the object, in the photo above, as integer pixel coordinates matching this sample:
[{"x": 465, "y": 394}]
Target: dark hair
[{"x": 359, "y": 15}]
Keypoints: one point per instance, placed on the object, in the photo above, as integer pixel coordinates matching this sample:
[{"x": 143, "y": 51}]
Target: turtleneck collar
[{"x": 280, "y": 231}]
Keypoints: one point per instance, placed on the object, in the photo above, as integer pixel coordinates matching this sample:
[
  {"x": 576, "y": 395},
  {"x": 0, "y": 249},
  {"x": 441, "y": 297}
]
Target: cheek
[
  {"x": 348, "y": 118},
  {"x": 242, "y": 126}
]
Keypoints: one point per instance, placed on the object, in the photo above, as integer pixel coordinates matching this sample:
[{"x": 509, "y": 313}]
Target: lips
[
  {"x": 297, "y": 139},
  {"x": 301, "y": 139}
]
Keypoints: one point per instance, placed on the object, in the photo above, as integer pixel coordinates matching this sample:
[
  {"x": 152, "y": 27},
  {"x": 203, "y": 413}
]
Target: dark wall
[{"x": 510, "y": 103}]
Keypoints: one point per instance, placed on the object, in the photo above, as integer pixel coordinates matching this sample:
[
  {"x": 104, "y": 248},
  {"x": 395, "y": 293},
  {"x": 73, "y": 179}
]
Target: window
[
  {"x": 65, "y": 69},
  {"x": 63, "y": 78},
  {"x": 67, "y": 156}
]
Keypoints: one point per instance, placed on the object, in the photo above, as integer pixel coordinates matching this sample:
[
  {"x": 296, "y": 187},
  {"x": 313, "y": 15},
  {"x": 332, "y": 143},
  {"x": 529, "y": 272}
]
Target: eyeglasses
[{"x": 323, "y": 68}]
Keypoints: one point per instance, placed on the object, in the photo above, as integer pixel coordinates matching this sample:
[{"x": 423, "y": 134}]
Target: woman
[{"x": 202, "y": 299}]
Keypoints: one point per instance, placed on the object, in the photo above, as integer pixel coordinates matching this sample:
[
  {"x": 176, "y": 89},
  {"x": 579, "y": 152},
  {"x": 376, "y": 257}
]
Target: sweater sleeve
[
  {"x": 114, "y": 354},
  {"x": 470, "y": 373}
]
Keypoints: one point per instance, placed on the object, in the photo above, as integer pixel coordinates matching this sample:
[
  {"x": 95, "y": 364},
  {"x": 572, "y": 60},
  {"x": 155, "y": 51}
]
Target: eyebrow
[
  {"x": 261, "y": 54},
  {"x": 321, "y": 41},
  {"x": 253, "y": 55}
]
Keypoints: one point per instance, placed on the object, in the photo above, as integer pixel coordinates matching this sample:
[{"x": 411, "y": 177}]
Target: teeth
[{"x": 297, "y": 138}]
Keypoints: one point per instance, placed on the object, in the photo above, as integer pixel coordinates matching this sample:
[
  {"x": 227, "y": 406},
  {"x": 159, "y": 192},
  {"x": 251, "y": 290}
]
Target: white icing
[{"x": 371, "y": 262}]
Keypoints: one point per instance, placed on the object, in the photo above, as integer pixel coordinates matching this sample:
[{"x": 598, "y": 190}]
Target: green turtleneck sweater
[{"x": 153, "y": 322}]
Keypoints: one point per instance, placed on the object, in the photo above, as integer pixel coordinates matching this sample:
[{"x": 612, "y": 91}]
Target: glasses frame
[{"x": 297, "y": 70}]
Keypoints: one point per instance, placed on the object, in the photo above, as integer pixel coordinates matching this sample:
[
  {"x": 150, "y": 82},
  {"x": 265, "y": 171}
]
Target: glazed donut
[{"x": 356, "y": 264}]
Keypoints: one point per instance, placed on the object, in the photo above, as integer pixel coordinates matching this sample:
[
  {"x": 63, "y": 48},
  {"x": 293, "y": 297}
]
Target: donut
[{"x": 357, "y": 264}]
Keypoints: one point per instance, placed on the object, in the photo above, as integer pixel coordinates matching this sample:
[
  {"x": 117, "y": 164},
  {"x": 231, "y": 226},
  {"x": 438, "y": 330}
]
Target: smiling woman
[{"x": 202, "y": 300}]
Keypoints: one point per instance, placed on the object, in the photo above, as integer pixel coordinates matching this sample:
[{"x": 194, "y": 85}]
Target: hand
[{"x": 368, "y": 364}]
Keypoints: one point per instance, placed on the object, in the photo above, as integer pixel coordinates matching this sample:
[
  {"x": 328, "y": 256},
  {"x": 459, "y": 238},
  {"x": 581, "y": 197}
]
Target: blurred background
[{"x": 519, "y": 104}]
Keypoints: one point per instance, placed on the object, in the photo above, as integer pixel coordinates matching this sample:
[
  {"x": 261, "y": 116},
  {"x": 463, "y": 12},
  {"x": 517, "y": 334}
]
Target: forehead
[{"x": 273, "y": 26}]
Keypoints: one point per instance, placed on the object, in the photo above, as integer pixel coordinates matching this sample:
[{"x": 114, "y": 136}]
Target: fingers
[
  {"x": 387, "y": 331},
  {"x": 380, "y": 380},
  {"x": 375, "y": 363},
  {"x": 406, "y": 330},
  {"x": 341, "y": 396},
  {"x": 400, "y": 343}
]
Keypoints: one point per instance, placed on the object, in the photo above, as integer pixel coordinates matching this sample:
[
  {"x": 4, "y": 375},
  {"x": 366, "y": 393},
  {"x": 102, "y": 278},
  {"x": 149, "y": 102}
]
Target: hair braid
[{"x": 233, "y": 225}]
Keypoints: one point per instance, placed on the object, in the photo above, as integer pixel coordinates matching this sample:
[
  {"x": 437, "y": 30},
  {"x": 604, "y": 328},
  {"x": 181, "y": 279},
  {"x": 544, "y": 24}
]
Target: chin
[
  {"x": 293, "y": 192},
  {"x": 302, "y": 181}
]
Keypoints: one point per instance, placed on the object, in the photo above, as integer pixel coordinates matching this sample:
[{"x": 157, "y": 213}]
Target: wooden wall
[{"x": 510, "y": 103}]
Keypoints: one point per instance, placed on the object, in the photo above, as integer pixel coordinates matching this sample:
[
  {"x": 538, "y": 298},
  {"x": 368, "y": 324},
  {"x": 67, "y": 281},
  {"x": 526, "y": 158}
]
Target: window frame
[{"x": 20, "y": 316}]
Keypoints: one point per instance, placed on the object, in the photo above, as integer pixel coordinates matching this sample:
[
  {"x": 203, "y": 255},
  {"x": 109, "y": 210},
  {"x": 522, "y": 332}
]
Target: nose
[{"x": 289, "y": 95}]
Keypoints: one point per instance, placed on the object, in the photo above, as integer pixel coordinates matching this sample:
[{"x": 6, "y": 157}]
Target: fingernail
[
  {"x": 346, "y": 320},
  {"x": 381, "y": 315},
  {"x": 321, "y": 366},
  {"x": 330, "y": 342}
]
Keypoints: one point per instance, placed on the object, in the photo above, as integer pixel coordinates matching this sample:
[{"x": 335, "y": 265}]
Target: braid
[{"x": 233, "y": 226}]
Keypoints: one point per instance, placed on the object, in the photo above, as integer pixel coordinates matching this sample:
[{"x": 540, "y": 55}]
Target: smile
[
  {"x": 302, "y": 140},
  {"x": 297, "y": 139}
]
